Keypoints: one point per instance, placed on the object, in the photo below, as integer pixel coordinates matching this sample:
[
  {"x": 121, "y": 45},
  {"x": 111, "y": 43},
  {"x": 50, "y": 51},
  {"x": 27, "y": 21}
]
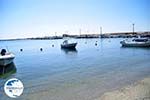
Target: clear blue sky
[{"x": 27, "y": 18}]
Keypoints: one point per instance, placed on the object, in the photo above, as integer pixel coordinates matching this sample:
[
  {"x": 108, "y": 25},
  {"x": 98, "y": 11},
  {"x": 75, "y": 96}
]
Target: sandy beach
[{"x": 137, "y": 91}]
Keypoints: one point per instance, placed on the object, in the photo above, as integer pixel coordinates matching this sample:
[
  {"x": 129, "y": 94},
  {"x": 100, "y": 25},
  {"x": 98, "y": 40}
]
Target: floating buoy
[
  {"x": 95, "y": 44},
  {"x": 53, "y": 45},
  {"x": 41, "y": 49},
  {"x": 21, "y": 49}
]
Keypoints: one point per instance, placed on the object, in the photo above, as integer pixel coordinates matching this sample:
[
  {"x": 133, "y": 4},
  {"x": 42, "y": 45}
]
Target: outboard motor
[{"x": 3, "y": 52}]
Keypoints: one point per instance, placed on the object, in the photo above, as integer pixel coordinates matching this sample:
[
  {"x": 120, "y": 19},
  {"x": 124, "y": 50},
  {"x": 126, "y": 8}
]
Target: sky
[{"x": 36, "y": 18}]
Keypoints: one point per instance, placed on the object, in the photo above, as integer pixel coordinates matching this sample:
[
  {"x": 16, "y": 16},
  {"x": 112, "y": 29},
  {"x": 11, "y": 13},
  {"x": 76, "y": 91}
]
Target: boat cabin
[
  {"x": 3, "y": 52},
  {"x": 65, "y": 42}
]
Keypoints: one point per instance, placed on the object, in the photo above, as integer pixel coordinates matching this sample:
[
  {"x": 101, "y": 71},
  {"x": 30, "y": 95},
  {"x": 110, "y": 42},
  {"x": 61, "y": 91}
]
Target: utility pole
[
  {"x": 133, "y": 28},
  {"x": 100, "y": 31}
]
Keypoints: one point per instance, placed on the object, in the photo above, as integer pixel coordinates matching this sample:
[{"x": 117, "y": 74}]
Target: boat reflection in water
[
  {"x": 7, "y": 70},
  {"x": 69, "y": 51}
]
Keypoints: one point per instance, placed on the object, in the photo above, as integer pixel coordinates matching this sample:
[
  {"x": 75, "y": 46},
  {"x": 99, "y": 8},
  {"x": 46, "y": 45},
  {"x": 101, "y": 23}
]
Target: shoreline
[
  {"x": 144, "y": 34},
  {"x": 139, "y": 90}
]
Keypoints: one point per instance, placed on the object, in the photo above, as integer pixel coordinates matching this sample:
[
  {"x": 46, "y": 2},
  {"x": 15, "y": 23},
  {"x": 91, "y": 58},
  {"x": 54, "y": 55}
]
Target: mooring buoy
[
  {"x": 95, "y": 44},
  {"x": 21, "y": 49},
  {"x": 41, "y": 49}
]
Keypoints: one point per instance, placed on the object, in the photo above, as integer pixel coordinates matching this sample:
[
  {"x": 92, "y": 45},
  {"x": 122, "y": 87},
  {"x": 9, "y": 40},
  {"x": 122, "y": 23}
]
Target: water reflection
[
  {"x": 69, "y": 51},
  {"x": 135, "y": 48},
  {"x": 8, "y": 70}
]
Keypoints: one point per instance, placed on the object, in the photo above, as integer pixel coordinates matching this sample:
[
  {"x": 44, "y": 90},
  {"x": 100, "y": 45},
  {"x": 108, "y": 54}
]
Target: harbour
[
  {"x": 74, "y": 50},
  {"x": 84, "y": 73}
]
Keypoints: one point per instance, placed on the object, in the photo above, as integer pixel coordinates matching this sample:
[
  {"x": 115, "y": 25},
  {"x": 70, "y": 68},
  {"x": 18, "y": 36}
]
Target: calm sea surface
[{"x": 81, "y": 74}]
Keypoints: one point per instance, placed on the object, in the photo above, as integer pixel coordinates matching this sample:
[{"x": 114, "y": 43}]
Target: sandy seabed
[{"x": 138, "y": 91}]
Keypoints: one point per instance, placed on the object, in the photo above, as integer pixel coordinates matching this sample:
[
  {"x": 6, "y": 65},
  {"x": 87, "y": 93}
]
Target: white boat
[
  {"x": 67, "y": 45},
  {"x": 6, "y": 57},
  {"x": 137, "y": 42}
]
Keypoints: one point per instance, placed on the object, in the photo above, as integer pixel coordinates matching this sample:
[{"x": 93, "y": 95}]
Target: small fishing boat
[
  {"x": 136, "y": 42},
  {"x": 67, "y": 45},
  {"x": 6, "y": 57}
]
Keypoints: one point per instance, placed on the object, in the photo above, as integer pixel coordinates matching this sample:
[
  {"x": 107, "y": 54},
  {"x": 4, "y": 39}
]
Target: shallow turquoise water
[{"x": 90, "y": 70}]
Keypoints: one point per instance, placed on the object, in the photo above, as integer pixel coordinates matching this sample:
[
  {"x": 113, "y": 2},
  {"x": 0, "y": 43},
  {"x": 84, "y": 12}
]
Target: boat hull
[
  {"x": 4, "y": 62},
  {"x": 6, "y": 59},
  {"x": 69, "y": 46},
  {"x": 130, "y": 44}
]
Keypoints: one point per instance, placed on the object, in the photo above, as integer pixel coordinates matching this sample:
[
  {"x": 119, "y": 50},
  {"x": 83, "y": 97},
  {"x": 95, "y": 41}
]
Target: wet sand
[{"x": 137, "y": 91}]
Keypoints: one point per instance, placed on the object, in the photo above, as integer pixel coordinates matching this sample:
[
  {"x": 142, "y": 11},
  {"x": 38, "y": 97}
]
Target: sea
[{"x": 96, "y": 66}]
